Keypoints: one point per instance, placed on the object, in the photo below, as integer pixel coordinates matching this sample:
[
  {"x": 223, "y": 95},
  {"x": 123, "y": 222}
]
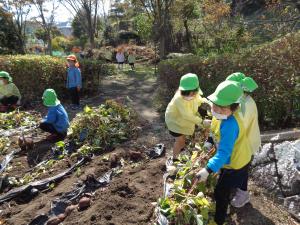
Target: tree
[
  {"x": 19, "y": 11},
  {"x": 41, "y": 34},
  {"x": 47, "y": 22},
  {"x": 159, "y": 11},
  {"x": 87, "y": 12},
  {"x": 143, "y": 26},
  {"x": 185, "y": 12},
  {"x": 9, "y": 39}
]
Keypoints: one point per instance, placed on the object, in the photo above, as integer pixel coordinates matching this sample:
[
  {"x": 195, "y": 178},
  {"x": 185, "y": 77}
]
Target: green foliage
[
  {"x": 143, "y": 25},
  {"x": 274, "y": 66},
  {"x": 33, "y": 74},
  {"x": 103, "y": 127},
  {"x": 10, "y": 42},
  {"x": 189, "y": 202},
  {"x": 60, "y": 43},
  {"x": 4, "y": 145},
  {"x": 17, "y": 119}
]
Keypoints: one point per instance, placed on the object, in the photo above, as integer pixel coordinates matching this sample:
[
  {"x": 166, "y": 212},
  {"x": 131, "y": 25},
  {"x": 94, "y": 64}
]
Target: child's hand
[
  {"x": 202, "y": 175},
  {"x": 78, "y": 88},
  {"x": 206, "y": 123}
]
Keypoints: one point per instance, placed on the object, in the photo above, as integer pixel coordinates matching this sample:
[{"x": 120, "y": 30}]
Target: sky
[{"x": 62, "y": 14}]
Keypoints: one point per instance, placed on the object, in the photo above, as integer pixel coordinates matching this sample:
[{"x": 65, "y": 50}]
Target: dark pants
[
  {"x": 74, "y": 94},
  {"x": 229, "y": 179},
  {"x": 132, "y": 66},
  {"x": 7, "y": 101},
  {"x": 47, "y": 127}
]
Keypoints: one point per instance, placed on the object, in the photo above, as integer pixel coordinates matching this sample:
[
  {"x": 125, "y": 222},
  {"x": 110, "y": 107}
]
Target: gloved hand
[
  {"x": 207, "y": 145},
  {"x": 206, "y": 123},
  {"x": 202, "y": 175}
]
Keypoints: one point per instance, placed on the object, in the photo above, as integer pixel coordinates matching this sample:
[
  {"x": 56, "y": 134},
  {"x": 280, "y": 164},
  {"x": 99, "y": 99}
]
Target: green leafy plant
[
  {"x": 17, "y": 119},
  {"x": 190, "y": 201},
  {"x": 101, "y": 128}
]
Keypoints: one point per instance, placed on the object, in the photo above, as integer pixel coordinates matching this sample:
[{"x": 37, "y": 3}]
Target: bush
[
  {"x": 33, "y": 74},
  {"x": 274, "y": 66}
]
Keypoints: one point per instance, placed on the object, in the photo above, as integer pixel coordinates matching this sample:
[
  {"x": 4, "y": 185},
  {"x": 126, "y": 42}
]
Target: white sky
[{"x": 62, "y": 14}]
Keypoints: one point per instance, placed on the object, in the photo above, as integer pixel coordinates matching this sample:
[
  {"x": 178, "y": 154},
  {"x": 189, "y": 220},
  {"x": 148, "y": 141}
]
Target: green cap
[
  {"x": 227, "y": 93},
  {"x": 50, "y": 98},
  {"x": 248, "y": 84},
  {"x": 5, "y": 75},
  {"x": 238, "y": 77},
  {"x": 189, "y": 82}
]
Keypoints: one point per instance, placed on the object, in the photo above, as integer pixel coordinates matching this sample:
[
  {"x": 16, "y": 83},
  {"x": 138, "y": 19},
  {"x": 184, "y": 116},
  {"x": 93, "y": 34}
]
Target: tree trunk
[
  {"x": 49, "y": 42},
  {"x": 187, "y": 35}
]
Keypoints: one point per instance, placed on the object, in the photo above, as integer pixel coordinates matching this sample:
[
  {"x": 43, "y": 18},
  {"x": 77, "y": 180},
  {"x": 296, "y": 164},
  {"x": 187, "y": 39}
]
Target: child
[
  {"x": 250, "y": 119},
  {"x": 9, "y": 93},
  {"x": 120, "y": 58},
  {"x": 57, "y": 121},
  {"x": 131, "y": 60},
  {"x": 74, "y": 82},
  {"x": 181, "y": 114},
  {"x": 233, "y": 154}
]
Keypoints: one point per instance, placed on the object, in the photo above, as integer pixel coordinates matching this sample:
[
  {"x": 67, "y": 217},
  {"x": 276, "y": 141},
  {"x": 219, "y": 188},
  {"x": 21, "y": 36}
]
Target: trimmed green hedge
[
  {"x": 33, "y": 74},
  {"x": 275, "y": 67}
]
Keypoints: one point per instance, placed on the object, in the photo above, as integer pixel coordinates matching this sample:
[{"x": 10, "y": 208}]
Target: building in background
[{"x": 65, "y": 28}]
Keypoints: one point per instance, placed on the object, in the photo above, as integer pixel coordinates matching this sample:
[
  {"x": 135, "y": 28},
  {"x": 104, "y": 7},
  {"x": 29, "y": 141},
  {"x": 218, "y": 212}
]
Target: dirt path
[{"x": 129, "y": 197}]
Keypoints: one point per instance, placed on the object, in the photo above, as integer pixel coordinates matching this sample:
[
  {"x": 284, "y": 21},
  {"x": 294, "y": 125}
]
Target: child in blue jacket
[
  {"x": 57, "y": 121},
  {"x": 233, "y": 155},
  {"x": 74, "y": 82}
]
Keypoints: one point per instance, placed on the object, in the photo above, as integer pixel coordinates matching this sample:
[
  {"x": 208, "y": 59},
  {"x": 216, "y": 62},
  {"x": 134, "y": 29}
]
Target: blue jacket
[
  {"x": 74, "y": 77},
  {"x": 229, "y": 132},
  {"x": 58, "y": 117}
]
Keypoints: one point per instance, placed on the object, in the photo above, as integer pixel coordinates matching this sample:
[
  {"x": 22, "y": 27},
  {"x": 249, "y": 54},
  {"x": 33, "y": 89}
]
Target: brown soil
[{"x": 128, "y": 198}]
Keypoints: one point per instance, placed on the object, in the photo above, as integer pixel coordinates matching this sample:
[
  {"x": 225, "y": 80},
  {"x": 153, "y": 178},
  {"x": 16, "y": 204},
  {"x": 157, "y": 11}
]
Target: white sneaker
[{"x": 240, "y": 199}]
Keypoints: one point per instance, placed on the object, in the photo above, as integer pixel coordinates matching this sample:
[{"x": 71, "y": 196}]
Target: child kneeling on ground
[
  {"x": 9, "y": 93},
  {"x": 233, "y": 154},
  {"x": 181, "y": 113},
  {"x": 57, "y": 121}
]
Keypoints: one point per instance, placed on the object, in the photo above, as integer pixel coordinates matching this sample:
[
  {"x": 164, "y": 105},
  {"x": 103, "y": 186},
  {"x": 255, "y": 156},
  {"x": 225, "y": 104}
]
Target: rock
[
  {"x": 276, "y": 169},
  {"x": 178, "y": 55},
  {"x": 285, "y": 154},
  {"x": 285, "y": 157},
  {"x": 293, "y": 205},
  {"x": 135, "y": 156},
  {"x": 61, "y": 216},
  {"x": 25, "y": 143},
  {"x": 114, "y": 159},
  {"x": 265, "y": 176},
  {"x": 70, "y": 209},
  {"x": 84, "y": 203},
  {"x": 54, "y": 221}
]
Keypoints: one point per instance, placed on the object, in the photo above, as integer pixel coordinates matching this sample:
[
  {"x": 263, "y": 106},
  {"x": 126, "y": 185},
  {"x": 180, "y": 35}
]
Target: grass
[{"x": 141, "y": 72}]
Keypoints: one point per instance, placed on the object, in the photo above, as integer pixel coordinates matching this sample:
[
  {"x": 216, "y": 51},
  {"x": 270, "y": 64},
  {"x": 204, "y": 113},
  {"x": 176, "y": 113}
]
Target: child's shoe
[{"x": 240, "y": 199}]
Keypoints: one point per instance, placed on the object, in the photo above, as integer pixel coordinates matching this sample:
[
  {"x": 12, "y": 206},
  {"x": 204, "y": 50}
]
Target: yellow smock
[
  {"x": 9, "y": 90},
  {"x": 181, "y": 115},
  {"x": 250, "y": 120},
  {"x": 241, "y": 153}
]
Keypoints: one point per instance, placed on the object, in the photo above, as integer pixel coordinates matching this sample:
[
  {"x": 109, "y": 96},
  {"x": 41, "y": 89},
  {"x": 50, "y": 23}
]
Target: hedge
[
  {"x": 275, "y": 66},
  {"x": 33, "y": 74}
]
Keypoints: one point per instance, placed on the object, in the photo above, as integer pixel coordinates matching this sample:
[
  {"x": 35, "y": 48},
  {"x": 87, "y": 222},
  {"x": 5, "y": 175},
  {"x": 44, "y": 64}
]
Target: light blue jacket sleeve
[
  {"x": 51, "y": 116},
  {"x": 229, "y": 132},
  {"x": 78, "y": 78}
]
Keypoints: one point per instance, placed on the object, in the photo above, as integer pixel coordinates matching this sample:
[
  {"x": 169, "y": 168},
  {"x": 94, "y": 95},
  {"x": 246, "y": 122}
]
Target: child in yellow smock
[
  {"x": 249, "y": 115},
  {"x": 181, "y": 113}
]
